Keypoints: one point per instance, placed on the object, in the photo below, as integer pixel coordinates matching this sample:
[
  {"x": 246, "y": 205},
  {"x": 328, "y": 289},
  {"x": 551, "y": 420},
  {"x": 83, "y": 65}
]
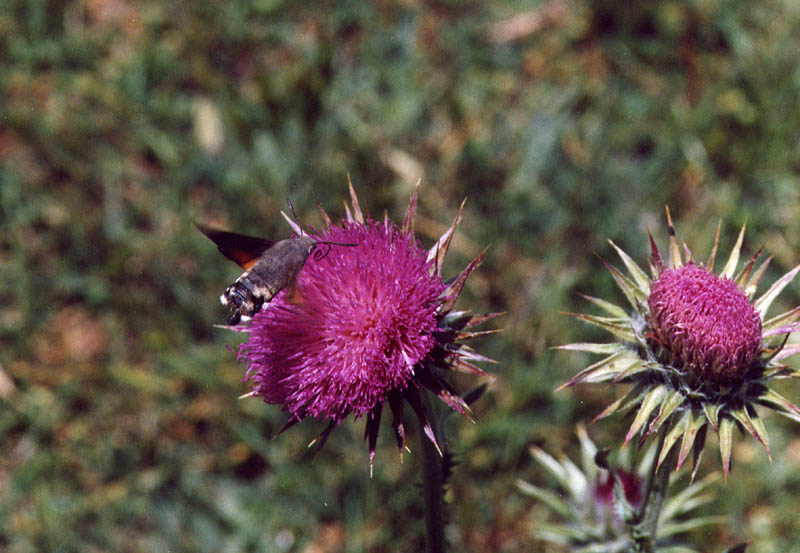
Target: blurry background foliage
[{"x": 564, "y": 123}]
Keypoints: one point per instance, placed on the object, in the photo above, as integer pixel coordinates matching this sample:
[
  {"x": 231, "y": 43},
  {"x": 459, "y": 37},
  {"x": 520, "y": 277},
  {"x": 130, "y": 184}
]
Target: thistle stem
[
  {"x": 643, "y": 531},
  {"x": 432, "y": 489}
]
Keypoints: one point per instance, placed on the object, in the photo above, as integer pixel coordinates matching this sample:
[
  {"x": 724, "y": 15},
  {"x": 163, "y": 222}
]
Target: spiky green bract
[
  {"x": 595, "y": 523},
  {"x": 701, "y": 362}
]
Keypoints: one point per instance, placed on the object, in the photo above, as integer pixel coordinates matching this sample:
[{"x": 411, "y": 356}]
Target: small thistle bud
[{"x": 586, "y": 513}]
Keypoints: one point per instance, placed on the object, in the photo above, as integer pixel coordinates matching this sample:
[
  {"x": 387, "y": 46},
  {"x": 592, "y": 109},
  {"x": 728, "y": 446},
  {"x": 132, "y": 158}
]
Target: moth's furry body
[
  {"x": 269, "y": 267},
  {"x": 274, "y": 270}
]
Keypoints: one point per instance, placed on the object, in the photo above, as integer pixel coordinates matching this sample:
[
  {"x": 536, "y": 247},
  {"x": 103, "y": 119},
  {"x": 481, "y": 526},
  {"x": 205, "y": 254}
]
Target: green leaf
[
  {"x": 588, "y": 452},
  {"x": 652, "y": 399},
  {"x": 636, "y": 367},
  {"x": 578, "y": 485},
  {"x": 630, "y": 398},
  {"x": 743, "y": 277},
  {"x": 559, "y": 534},
  {"x": 752, "y": 424},
  {"x": 699, "y": 447},
  {"x": 771, "y": 398},
  {"x": 672, "y": 528},
  {"x": 610, "y": 308},
  {"x": 673, "y": 400},
  {"x": 551, "y": 464},
  {"x": 752, "y": 284},
  {"x": 726, "y": 443},
  {"x": 549, "y": 498},
  {"x": 762, "y": 304},
  {"x": 692, "y": 428},
  {"x": 639, "y": 276},
  {"x": 633, "y": 293},
  {"x": 711, "y": 411},
  {"x": 733, "y": 260},
  {"x": 622, "y": 507},
  {"x": 713, "y": 255},
  {"x": 672, "y": 437},
  {"x": 674, "y": 250},
  {"x": 688, "y": 498},
  {"x": 604, "y": 370},
  {"x": 613, "y": 347},
  {"x": 618, "y": 327},
  {"x": 782, "y": 319}
]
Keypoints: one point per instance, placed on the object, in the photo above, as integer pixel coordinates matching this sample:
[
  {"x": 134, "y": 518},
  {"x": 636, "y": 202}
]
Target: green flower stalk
[{"x": 696, "y": 348}]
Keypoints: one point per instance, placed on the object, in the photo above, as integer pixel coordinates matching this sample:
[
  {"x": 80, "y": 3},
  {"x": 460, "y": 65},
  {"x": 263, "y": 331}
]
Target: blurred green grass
[{"x": 563, "y": 123}]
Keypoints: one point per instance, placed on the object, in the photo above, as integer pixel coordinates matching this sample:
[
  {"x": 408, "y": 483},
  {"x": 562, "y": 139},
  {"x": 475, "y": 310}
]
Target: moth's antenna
[{"x": 291, "y": 207}]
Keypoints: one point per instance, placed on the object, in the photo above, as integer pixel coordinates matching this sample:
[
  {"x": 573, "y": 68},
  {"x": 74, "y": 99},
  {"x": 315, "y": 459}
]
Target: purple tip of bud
[
  {"x": 704, "y": 324},
  {"x": 632, "y": 487}
]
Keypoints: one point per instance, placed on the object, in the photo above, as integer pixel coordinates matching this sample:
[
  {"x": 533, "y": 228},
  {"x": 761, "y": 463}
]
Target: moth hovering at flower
[{"x": 269, "y": 267}]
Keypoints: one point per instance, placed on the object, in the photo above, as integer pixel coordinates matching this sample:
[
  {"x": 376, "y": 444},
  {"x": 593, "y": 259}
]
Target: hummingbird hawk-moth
[{"x": 269, "y": 267}]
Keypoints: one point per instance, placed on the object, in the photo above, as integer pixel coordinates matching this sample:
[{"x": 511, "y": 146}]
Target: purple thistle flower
[
  {"x": 363, "y": 319},
  {"x": 696, "y": 348},
  {"x": 362, "y": 327}
]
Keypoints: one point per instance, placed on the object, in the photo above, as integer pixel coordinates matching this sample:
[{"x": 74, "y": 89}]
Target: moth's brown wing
[{"x": 242, "y": 249}]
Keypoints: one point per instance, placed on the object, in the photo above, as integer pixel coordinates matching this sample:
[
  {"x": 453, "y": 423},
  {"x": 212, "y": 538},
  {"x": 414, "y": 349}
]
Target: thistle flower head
[
  {"x": 364, "y": 320},
  {"x": 595, "y": 501},
  {"x": 362, "y": 327},
  {"x": 703, "y": 324},
  {"x": 695, "y": 347}
]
